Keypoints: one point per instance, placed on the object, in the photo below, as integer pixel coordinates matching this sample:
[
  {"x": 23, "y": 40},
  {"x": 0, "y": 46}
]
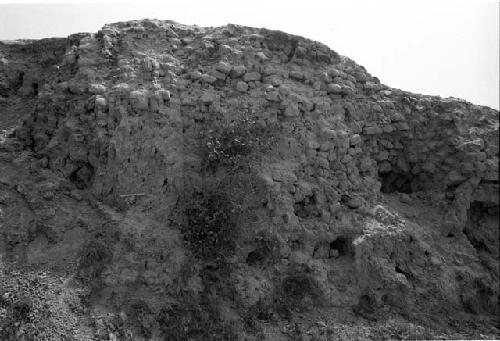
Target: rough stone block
[
  {"x": 237, "y": 71},
  {"x": 206, "y": 78},
  {"x": 219, "y": 75},
  {"x": 241, "y": 86},
  {"x": 207, "y": 98},
  {"x": 334, "y": 89},
  {"x": 139, "y": 99},
  {"x": 224, "y": 67},
  {"x": 252, "y": 76},
  {"x": 401, "y": 126},
  {"x": 296, "y": 75},
  {"x": 333, "y": 72},
  {"x": 292, "y": 110},
  {"x": 373, "y": 130},
  {"x": 261, "y": 56},
  {"x": 387, "y": 129},
  {"x": 355, "y": 140}
]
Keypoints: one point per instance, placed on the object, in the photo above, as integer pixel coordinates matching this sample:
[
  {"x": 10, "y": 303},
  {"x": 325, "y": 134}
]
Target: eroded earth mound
[{"x": 168, "y": 182}]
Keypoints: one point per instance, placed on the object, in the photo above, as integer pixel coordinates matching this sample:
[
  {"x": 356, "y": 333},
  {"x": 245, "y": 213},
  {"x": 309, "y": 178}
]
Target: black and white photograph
[{"x": 259, "y": 170}]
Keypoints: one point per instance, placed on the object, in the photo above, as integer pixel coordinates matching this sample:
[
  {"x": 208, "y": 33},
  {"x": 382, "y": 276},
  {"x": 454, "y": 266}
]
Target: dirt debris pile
[{"x": 259, "y": 176}]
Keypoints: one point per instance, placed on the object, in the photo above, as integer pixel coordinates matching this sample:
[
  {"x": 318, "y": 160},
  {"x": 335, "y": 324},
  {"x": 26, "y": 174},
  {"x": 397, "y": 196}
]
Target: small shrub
[
  {"x": 267, "y": 251},
  {"x": 16, "y": 314},
  {"x": 8, "y": 328},
  {"x": 215, "y": 277},
  {"x": 196, "y": 322},
  {"x": 92, "y": 258},
  {"x": 263, "y": 310},
  {"x": 210, "y": 230},
  {"x": 298, "y": 292},
  {"x": 21, "y": 310},
  {"x": 142, "y": 318},
  {"x": 228, "y": 144}
]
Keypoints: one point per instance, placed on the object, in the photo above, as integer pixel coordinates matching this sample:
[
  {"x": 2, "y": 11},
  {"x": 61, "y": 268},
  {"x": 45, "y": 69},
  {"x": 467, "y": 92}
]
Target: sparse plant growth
[
  {"x": 142, "y": 318},
  {"x": 266, "y": 252},
  {"x": 210, "y": 229},
  {"x": 191, "y": 320},
  {"x": 264, "y": 310},
  {"x": 400, "y": 330},
  {"x": 211, "y": 221},
  {"x": 227, "y": 145},
  {"x": 13, "y": 315},
  {"x": 299, "y": 292},
  {"x": 37, "y": 306},
  {"x": 92, "y": 258}
]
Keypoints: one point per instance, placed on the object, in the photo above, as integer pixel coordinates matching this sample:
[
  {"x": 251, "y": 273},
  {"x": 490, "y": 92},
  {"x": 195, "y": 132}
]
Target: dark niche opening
[
  {"x": 341, "y": 247},
  {"x": 296, "y": 245},
  {"x": 82, "y": 176},
  {"x": 306, "y": 208},
  {"x": 366, "y": 306},
  {"x": 398, "y": 182},
  {"x": 19, "y": 81},
  {"x": 260, "y": 256},
  {"x": 35, "y": 89},
  {"x": 481, "y": 216}
]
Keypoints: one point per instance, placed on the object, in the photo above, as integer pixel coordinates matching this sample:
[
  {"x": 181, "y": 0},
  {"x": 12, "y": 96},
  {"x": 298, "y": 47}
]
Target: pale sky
[{"x": 435, "y": 47}]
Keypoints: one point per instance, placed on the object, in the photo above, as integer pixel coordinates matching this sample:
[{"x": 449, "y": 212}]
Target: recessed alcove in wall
[
  {"x": 394, "y": 181},
  {"x": 342, "y": 245}
]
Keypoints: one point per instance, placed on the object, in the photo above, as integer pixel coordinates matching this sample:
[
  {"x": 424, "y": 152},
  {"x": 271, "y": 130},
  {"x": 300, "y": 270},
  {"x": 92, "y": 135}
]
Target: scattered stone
[
  {"x": 97, "y": 89},
  {"x": 333, "y": 73},
  {"x": 292, "y": 110},
  {"x": 100, "y": 102},
  {"x": 351, "y": 202},
  {"x": 207, "y": 98},
  {"x": 139, "y": 99},
  {"x": 401, "y": 126},
  {"x": 252, "y": 76},
  {"x": 273, "y": 96},
  {"x": 334, "y": 88},
  {"x": 206, "y": 78},
  {"x": 241, "y": 86},
  {"x": 238, "y": 71},
  {"x": 372, "y": 130},
  {"x": 355, "y": 140},
  {"x": 223, "y": 67},
  {"x": 194, "y": 75},
  {"x": 296, "y": 75},
  {"x": 165, "y": 94},
  {"x": 261, "y": 56},
  {"x": 218, "y": 75}
]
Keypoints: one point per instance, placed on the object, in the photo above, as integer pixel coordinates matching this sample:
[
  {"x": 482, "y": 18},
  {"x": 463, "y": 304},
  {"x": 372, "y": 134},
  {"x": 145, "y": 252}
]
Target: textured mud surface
[{"x": 168, "y": 182}]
